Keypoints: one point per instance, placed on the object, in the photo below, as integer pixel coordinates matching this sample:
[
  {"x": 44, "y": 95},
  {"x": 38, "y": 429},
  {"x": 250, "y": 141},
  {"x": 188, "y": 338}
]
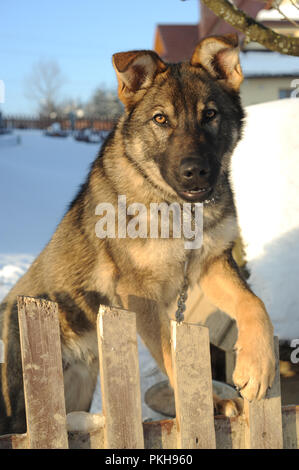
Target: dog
[{"x": 173, "y": 144}]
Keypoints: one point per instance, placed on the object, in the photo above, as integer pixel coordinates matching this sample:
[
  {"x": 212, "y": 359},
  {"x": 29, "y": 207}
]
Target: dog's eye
[
  {"x": 209, "y": 114},
  {"x": 160, "y": 119}
]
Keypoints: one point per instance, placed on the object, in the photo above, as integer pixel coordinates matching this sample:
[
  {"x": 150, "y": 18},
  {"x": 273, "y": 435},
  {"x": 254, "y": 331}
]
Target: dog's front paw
[{"x": 255, "y": 366}]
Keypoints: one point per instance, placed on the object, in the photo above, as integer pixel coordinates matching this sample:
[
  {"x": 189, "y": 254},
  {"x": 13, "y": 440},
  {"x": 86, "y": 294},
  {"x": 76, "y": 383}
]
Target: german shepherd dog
[{"x": 172, "y": 144}]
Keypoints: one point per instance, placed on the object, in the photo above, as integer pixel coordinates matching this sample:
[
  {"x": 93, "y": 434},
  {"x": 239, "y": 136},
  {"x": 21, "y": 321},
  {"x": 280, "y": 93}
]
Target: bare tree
[
  {"x": 43, "y": 86},
  {"x": 104, "y": 104},
  {"x": 253, "y": 30}
]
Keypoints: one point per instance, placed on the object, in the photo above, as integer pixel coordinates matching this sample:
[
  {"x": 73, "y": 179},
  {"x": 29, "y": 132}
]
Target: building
[{"x": 268, "y": 75}]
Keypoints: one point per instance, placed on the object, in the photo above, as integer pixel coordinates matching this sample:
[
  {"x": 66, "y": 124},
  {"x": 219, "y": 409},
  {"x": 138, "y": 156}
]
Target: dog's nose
[{"x": 193, "y": 171}]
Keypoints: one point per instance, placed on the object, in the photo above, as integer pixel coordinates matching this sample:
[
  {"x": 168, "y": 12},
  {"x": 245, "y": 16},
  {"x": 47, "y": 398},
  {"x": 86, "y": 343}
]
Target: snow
[
  {"x": 265, "y": 176},
  {"x": 273, "y": 15},
  {"x": 39, "y": 177},
  {"x": 12, "y": 267},
  {"x": 8, "y": 140},
  {"x": 265, "y": 63}
]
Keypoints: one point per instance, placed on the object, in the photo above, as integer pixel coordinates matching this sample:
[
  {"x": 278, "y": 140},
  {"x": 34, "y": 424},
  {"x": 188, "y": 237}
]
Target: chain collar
[{"x": 181, "y": 304}]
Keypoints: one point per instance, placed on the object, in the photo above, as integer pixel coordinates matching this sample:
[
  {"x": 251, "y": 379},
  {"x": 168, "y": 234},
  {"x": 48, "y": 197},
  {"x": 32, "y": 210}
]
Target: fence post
[
  {"x": 42, "y": 373},
  {"x": 263, "y": 418},
  {"x": 193, "y": 388},
  {"x": 120, "y": 380}
]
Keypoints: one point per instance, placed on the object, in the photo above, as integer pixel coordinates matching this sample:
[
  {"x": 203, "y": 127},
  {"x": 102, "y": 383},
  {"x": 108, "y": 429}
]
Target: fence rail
[
  {"x": 264, "y": 424},
  {"x": 25, "y": 122}
]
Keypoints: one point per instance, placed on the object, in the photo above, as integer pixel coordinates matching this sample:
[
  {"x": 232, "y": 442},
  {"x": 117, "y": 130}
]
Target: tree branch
[
  {"x": 253, "y": 30},
  {"x": 293, "y": 2},
  {"x": 276, "y": 6}
]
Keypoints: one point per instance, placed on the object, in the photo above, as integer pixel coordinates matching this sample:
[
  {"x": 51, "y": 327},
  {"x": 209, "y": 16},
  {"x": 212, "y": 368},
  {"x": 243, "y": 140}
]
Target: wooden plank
[
  {"x": 192, "y": 386},
  {"x": 229, "y": 432},
  {"x": 42, "y": 373},
  {"x": 14, "y": 441},
  {"x": 120, "y": 381},
  {"x": 263, "y": 418},
  {"x": 160, "y": 434},
  {"x": 290, "y": 424},
  {"x": 163, "y": 434}
]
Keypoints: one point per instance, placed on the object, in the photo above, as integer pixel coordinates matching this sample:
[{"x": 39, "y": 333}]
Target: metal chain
[
  {"x": 179, "y": 314},
  {"x": 181, "y": 303}
]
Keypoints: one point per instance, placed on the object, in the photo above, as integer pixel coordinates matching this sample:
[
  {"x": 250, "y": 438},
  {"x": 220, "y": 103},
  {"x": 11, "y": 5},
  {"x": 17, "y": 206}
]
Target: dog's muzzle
[{"x": 194, "y": 178}]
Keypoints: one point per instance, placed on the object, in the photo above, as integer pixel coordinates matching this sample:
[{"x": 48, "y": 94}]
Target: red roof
[{"x": 175, "y": 43}]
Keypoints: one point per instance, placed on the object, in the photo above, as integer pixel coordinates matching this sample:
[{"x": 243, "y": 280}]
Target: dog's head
[{"x": 182, "y": 120}]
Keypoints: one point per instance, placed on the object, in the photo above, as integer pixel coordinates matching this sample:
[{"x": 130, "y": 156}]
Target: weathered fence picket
[
  {"x": 263, "y": 429},
  {"x": 42, "y": 374},
  {"x": 263, "y": 425},
  {"x": 120, "y": 380},
  {"x": 192, "y": 386}
]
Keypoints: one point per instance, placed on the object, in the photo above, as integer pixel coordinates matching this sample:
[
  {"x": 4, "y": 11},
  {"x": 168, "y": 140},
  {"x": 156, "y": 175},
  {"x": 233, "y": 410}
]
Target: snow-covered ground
[
  {"x": 12, "y": 267},
  {"x": 39, "y": 177},
  {"x": 265, "y": 175}
]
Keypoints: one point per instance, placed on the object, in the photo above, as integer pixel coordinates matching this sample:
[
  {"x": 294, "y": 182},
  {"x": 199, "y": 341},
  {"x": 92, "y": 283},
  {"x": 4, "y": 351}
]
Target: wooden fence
[
  {"x": 264, "y": 424},
  {"x": 24, "y": 122}
]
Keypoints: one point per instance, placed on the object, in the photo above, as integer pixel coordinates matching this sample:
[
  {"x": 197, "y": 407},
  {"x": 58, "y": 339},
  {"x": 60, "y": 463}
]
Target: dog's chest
[
  {"x": 164, "y": 261},
  {"x": 159, "y": 266}
]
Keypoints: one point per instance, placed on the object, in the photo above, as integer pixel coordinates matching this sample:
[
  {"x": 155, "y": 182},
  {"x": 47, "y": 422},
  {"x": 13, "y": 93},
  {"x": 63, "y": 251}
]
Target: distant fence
[{"x": 25, "y": 122}]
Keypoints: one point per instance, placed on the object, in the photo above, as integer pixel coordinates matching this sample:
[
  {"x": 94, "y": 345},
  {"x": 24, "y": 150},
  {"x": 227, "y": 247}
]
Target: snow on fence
[{"x": 264, "y": 424}]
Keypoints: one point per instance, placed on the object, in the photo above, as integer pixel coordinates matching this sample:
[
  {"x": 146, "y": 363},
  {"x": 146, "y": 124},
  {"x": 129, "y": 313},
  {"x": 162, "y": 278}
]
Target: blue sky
[{"x": 81, "y": 37}]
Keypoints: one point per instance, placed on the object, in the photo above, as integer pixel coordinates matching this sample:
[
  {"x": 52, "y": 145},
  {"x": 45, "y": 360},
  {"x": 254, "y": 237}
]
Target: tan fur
[{"x": 255, "y": 365}]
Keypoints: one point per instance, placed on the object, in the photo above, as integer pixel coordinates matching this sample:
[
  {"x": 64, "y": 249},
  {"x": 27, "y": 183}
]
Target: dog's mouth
[{"x": 196, "y": 194}]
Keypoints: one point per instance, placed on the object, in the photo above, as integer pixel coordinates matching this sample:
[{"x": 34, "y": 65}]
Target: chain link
[
  {"x": 179, "y": 314},
  {"x": 181, "y": 304}
]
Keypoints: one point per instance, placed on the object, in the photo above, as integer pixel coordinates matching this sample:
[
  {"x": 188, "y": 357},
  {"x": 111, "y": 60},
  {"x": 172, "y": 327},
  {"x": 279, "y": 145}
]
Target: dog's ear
[
  {"x": 219, "y": 55},
  {"x": 135, "y": 72}
]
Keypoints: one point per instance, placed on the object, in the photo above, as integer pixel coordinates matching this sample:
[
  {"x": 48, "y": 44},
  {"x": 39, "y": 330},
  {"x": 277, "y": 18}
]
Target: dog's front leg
[{"x": 255, "y": 364}]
